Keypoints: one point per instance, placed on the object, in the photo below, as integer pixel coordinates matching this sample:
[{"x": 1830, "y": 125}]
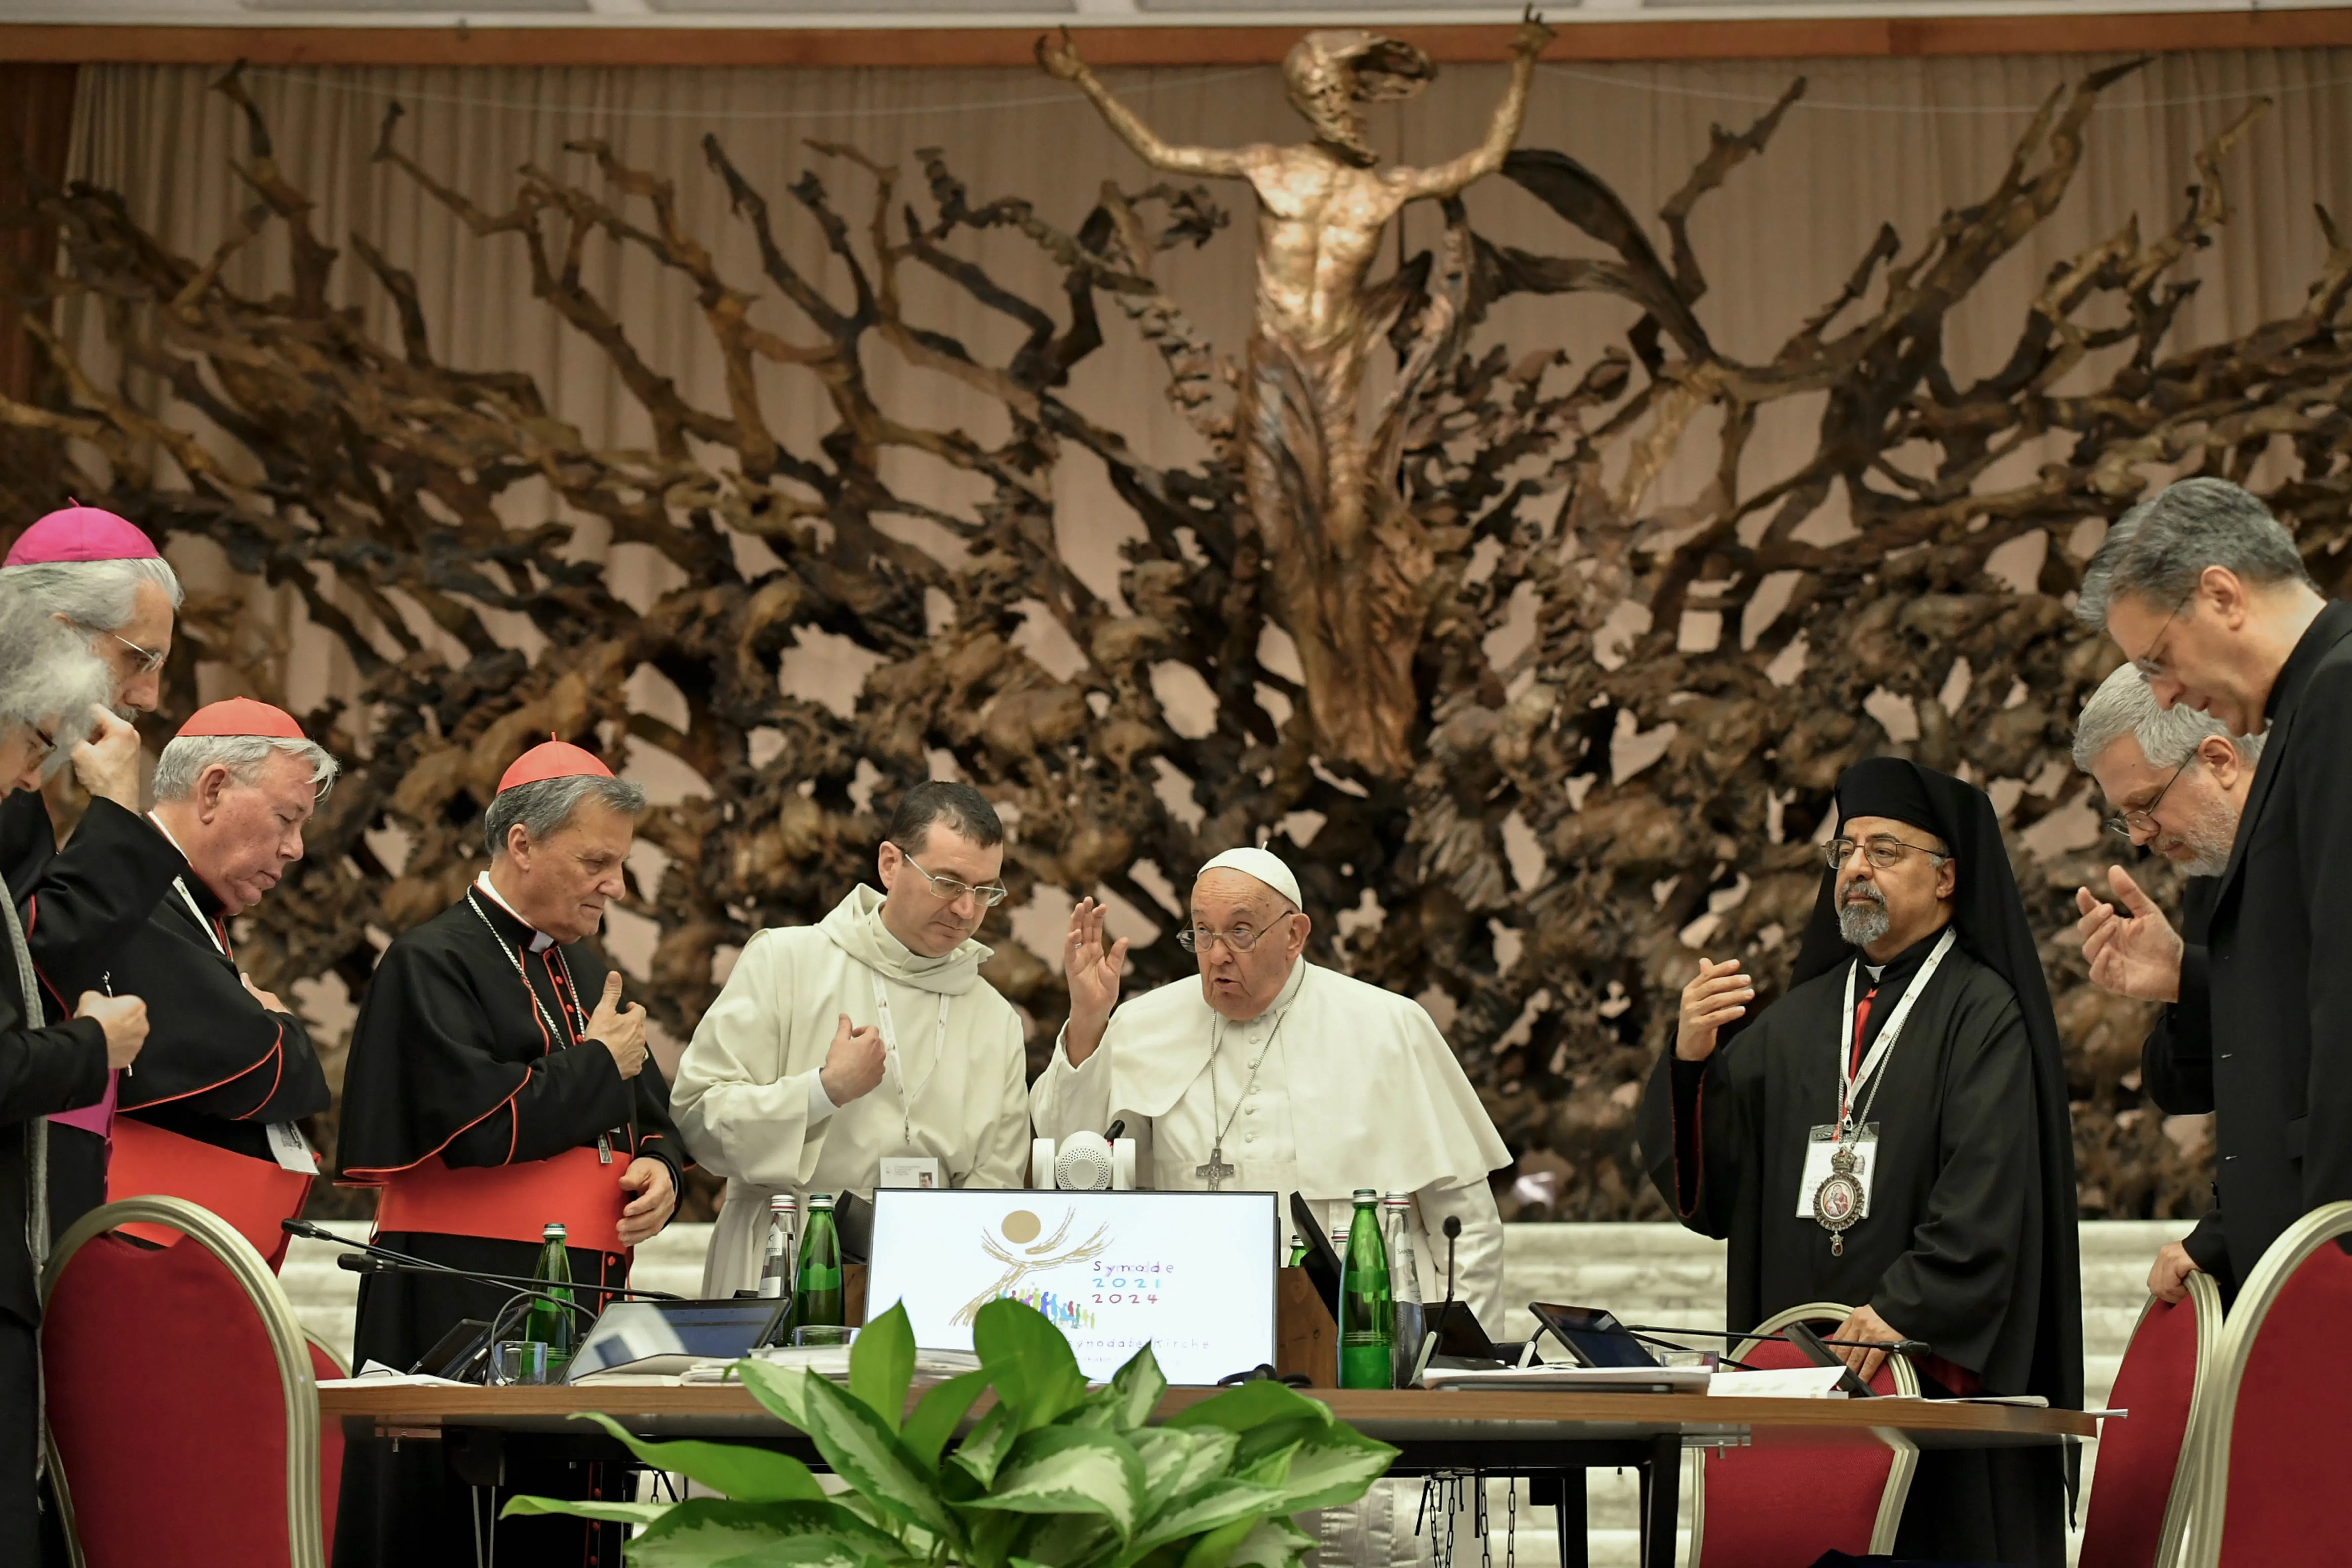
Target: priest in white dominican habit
[{"x": 1272, "y": 1073}]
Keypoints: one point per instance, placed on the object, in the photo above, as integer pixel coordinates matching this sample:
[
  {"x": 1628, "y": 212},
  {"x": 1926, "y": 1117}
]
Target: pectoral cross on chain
[{"x": 1216, "y": 1171}]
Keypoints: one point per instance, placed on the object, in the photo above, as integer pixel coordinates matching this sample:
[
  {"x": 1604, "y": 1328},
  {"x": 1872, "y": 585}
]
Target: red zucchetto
[
  {"x": 242, "y": 716},
  {"x": 552, "y": 759}
]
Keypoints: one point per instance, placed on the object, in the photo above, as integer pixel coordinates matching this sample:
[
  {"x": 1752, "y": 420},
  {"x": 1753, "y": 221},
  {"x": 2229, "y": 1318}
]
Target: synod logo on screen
[{"x": 1014, "y": 1241}]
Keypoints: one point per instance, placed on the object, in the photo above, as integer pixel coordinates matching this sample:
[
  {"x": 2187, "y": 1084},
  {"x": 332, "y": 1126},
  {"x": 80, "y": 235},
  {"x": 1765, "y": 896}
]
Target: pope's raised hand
[
  {"x": 2135, "y": 953},
  {"x": 1718, "y": 995},
  {"x": 854, "y": 1064},
  {"x": 1094, "y": 974},
  {"x": 107, "y": 762},
  {"x": 621, "y": 1030}
]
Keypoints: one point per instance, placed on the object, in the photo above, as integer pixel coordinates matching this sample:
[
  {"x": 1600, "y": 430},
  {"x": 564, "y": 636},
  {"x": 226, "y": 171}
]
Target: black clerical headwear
[{"x": 1989, "y": 921}]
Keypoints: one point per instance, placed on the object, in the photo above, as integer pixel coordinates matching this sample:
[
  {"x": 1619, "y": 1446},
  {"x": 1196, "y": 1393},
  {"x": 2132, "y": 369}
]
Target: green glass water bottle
[
  {"x": 1297, "y": 1251},
  {"x": 551, "y": 1322},
  {"x": 1367, "y": 1328},
  {"x": 816, "y": 1286}
]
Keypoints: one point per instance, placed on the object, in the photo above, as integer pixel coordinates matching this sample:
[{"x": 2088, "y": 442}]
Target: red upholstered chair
[
  {"x": 2274, "y": 1435},
  {"x": 325, "y": 1365},
  {"x": 2147, "y": 1474},
  {"x": 1782, "y": 1507},
  {"x": 183, "y": 1407}
]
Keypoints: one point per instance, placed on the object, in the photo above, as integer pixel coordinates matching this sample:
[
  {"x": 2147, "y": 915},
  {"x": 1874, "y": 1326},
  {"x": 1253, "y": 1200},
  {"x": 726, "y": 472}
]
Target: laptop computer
[{"x": 1191, "y": 1274}]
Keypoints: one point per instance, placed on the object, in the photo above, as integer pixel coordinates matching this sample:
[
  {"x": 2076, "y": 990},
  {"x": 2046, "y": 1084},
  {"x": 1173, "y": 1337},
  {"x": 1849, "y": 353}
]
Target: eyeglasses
[
  {"x": 2142, "y": 818},
  {"x": 1240, "y": 938},
  {"x": 48, "y": 745},
  {"x": 2151, "y": 668},
  {"x": 947, "y": 889},
  {"x": 1884, "y": 850},
  {"x": 149, "y": 661}
]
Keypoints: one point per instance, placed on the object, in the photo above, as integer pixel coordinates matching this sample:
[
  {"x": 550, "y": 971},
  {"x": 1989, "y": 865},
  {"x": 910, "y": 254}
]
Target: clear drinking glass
[{"x": 518, "y": 1363}]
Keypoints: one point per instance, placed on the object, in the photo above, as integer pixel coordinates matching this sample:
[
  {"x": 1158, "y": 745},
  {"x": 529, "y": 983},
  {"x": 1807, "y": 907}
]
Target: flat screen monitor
[{"x": 1191, "y": 1274}]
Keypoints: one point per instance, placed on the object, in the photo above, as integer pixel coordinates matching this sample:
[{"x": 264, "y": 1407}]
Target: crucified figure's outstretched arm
[
  {"x": 1446, "y": 179},
  {"x": 1058, "y": 53}
]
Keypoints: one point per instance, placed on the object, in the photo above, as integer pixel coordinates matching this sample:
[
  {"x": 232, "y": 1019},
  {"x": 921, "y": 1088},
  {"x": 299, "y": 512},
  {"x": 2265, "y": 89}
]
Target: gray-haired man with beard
[{"x": 2177, "y": 781}]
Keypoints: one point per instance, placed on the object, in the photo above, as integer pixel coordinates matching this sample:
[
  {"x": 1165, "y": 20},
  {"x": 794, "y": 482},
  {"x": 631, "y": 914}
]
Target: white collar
[
  {"x": 1877, "y": 972},
  {"x": 540, "y": 940},
  {"x": 157, "y": 823}
]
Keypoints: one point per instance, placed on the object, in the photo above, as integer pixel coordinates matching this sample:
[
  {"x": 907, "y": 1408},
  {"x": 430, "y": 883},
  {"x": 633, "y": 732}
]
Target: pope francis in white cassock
[
  {"x": 867, "y": 1036},
  {"x": 1271, "y": 1074}
]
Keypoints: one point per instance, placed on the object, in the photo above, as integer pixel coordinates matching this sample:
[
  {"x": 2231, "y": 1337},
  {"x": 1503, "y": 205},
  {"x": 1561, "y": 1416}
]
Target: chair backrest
[
  {"x": 2275, "y": 1437},
  {"x": 183, "y": 1411},
  {"x": 325, "y": 1363},
  {"x": 1787, "y": 1504},
  {"x": 2147, "y": 1474}
]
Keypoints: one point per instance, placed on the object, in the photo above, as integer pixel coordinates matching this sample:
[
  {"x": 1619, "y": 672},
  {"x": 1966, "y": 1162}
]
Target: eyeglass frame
[
  {"x": 1190, "y": 937},
  {"x": 149, "y": 661},
  {"x": 48, "y": 740},
  {"x": 2120, "y": 822},
  {"x": 990, "y": 896},
  {"x": 1837, "y": 859},
  {"x": 2151, "y": 668}
]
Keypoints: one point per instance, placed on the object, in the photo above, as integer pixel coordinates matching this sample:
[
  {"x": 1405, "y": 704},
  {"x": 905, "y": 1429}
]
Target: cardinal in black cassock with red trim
[
  {"x": 210, "y": 1112},
  {"x": 496, "y": 1084},
  {"x": 1893, "y": 1133}
]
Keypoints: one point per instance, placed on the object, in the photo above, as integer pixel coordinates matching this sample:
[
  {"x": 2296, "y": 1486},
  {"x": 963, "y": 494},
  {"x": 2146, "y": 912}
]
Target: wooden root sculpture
[{"x": 1562, "y": 832}]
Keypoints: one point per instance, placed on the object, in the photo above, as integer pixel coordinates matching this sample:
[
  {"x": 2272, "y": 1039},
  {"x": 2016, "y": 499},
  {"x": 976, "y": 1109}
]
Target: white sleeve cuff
[{"x": 821, "y": 1104}]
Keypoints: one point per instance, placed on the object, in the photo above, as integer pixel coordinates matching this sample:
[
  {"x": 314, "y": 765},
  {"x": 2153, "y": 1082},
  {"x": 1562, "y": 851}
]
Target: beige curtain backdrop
[{"x": 1874, "y": 142}]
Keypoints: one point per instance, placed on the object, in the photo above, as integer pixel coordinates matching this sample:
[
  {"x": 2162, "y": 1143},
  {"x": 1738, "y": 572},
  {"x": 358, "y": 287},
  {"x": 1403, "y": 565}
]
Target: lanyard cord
[
  {"x": 898, "y": 1065},
  {"x": 1849, "y": 1076},
  {"x": 547, "y": 1020}
]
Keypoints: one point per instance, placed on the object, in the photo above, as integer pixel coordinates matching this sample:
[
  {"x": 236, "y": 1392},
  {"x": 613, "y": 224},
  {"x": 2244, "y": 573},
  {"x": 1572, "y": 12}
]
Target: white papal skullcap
[{"x": 1262, "y": 864}]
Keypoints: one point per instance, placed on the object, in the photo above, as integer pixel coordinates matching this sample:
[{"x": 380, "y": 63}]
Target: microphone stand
[{"x": 391, "y": 1262}]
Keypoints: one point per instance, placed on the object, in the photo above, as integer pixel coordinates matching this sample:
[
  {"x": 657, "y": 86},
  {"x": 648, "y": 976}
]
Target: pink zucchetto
[{"x": 81, "y": 534}]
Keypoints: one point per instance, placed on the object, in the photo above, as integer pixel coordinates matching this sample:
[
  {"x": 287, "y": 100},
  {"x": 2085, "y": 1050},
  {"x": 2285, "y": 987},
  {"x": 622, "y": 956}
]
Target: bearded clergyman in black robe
[
  {"x": 496, "y": 1084},
  {"x": 1894, "y": 1133}
]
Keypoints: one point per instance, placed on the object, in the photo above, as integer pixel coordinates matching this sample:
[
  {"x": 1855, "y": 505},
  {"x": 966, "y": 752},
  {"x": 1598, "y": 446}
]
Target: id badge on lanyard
[
  {"x": 1822, "y": 1144},
  {"x": 909, "y": 1167}
]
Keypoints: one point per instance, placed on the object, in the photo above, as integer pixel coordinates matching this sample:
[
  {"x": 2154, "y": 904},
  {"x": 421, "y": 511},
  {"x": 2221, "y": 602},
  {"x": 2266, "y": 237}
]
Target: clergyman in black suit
[
  {"x": 2176, "y": 783},
  {"x": 2206, "y": 593}
]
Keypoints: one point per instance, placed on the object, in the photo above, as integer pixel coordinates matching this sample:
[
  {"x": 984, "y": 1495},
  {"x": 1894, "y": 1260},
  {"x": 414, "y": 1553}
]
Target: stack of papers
[
  {"x": 1779, "y": 1382},
  {"x": 1556, "y": 1374}
]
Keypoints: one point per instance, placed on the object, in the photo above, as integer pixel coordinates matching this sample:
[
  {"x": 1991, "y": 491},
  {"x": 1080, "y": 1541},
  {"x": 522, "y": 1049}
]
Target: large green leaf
[
  {"x": 1066, "y": 1539},
  {"x": 1068, "y": 1470},
  {"x": 1135, "y": 1389},
  {"x": 1273, "y": 1543},
  {"x": 798, "y": 1551},
  {"x": 1259, "y": 1441},
  {"x": 984, "y": 1448},
  {"x": 882, "y": 1363},
  {"x": 1216, "y": 1549},
  {"x": 781, "y": 1391},
  {"x": 936, "y": 1413},
  {"x": 618, "y": 1512},
  {"x": 1211, "y": 1507},
  {"x": 868, "y": 1454},
  {"x": 1176, "y": 1462},
  {"x": 1029, "y": 1361},
  {"x": 1332, "y": 1466},
  {"x": 736, "y": 1471},
  {"x": 1252, "y": 1404},
  {"x": 701, "y": 1531}
]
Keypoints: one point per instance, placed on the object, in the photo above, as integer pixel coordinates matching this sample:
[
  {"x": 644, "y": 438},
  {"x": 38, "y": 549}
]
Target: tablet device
[
  {"x": 667, "y": 1337},
  {"x": 1593, "y": 1337}
]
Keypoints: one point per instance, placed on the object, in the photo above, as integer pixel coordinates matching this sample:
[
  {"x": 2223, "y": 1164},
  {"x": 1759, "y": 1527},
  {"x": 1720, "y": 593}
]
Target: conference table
[{"x": 1550, "y": 1437}]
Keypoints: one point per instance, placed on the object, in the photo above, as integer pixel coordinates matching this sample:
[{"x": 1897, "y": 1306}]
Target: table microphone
[{"x": 368, "y": 1258}]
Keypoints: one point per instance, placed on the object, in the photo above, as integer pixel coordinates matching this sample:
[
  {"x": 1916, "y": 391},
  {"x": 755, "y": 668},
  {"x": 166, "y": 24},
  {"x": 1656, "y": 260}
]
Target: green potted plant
[{"x": 1053, "y": 1475}]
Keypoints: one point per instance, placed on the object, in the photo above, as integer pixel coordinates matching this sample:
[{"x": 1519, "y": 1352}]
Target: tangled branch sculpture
[{"x": 1642, "y": 778}]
